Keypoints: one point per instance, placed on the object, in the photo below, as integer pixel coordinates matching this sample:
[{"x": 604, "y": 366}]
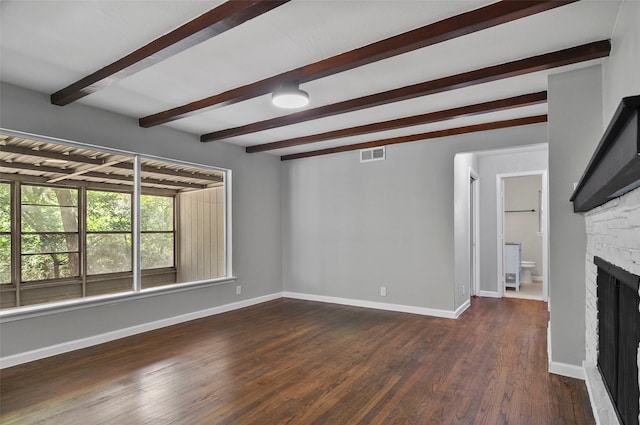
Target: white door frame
[
  {"x": 545, "y": 228},
  {"x": 474, "y": 214}
]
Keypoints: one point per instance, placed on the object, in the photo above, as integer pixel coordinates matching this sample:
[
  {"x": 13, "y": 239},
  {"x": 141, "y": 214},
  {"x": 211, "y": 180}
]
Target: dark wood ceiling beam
[
  {"x": 422, "y": 136},
  {"x": 216, "y": 21},
  {"x": 447, "y": 29},
  {"x": 81, "y": 159},
  {"x": 431, "y": 117},
  {"x": 542, "y": 62}
]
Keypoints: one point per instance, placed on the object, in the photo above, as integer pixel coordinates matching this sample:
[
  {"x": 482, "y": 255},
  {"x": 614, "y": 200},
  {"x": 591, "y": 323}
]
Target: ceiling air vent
[{"x": 373, "y": 154}]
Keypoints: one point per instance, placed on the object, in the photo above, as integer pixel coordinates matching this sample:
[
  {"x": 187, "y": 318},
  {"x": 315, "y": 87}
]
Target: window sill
[{"x": 19, "y": 313}]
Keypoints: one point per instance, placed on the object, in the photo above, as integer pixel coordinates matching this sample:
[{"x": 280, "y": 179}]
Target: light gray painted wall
[
  {"x": 491, "y": 164},
  {"x": 351, "y": 228},
  {"x": 257, "y": 235},
  {"x": 620, "y": 70},
  {"x": 575, "y": 128},
  {"x": 521, "y": 193}
]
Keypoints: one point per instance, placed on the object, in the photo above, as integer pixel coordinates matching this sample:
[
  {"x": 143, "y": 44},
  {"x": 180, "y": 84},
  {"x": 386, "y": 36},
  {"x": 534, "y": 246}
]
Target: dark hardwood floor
[{"x": 298, "y": 362}]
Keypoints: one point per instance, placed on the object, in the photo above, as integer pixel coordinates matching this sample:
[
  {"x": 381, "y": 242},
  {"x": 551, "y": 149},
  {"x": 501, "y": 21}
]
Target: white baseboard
[
  {"x": 65, "y": 347},
  {"x": 377, "y": 305},
  {"x": 489, "y": 294},
  {"x": 566, "y": 369},
  {"x": 462, "y": 308}
]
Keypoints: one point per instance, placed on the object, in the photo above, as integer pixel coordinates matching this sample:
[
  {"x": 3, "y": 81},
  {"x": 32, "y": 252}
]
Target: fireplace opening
[{"x": 619, "y": 338}]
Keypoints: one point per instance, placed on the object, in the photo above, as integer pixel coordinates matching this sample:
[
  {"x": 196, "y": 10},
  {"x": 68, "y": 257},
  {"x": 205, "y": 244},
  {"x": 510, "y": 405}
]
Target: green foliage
[
  {"x": 49, "y": 224},
  {"x": 49, "y": 266},
  {"x": 5, "y": 227},
  {"x": 5, "y": 207},
  {"x": 52, "y": 196},
  {"x": 46, "y": 210},
  {"x": 108, "y": 211},
  {"x": 108, "y": 253},
  {"x": 5, "y": 259},
  {"x": 156, "y": 250},
  {"x": 49, "y": 243},
  {"x": 156, "y": 213}
]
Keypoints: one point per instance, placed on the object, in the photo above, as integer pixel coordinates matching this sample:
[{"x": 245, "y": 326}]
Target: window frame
[
  {"x": 18, "y": 217},
  {"x": 173, "y": 233},
  {"x": 10, "y": 282},
  {"x": 137, "y": 292},
  {"x": 87, "y": 232}
]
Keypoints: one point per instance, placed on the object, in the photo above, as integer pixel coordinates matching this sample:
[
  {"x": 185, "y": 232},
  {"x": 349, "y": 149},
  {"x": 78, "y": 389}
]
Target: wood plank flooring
[{"x": 299, "y": 362}]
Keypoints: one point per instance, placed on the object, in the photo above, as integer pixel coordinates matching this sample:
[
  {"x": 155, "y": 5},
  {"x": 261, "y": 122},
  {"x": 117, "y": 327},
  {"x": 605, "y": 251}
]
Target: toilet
[{"x": 525, "y": 271}]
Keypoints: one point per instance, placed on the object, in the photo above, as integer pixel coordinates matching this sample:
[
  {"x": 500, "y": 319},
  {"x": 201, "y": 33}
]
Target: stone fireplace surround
[{"x": 613, "y": 233}]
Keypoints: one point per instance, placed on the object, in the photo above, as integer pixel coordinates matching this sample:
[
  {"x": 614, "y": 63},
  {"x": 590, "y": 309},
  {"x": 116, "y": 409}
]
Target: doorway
[
  {"x": 473, "y": 233},
  {"x": 522, "y": 235}
]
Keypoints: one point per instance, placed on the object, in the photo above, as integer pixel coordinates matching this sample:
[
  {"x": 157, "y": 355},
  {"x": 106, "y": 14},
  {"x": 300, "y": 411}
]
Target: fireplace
[
  {"x": 619, "y": 338},
  {"x": 609, "y": 196}
]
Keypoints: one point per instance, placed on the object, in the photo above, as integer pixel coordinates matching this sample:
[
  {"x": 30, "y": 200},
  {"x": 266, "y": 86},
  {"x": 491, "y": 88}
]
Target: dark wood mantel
[{"x": 614, "y": 168}]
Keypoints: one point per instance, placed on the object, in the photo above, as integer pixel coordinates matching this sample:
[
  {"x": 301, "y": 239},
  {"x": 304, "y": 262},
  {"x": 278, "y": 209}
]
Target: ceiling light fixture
[{"x": 290, "y": 96}]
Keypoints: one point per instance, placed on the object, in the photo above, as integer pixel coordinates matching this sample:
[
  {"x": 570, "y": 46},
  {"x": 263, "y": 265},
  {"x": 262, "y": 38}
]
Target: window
[
  {"x": 49, "y": 230},
  {"x": 157, "y": 233},
  {"x": 67, "y": 222},
  {"x": 108, "y": 232},
  {"x": 5, "y": 233}
]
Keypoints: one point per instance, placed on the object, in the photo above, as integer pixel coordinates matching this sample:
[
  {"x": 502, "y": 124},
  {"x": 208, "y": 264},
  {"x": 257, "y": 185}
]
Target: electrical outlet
[
  {"x": 238, "y": 290},
  {"x": 462, "y": 289},
  {"x": 383, "y": 291}
]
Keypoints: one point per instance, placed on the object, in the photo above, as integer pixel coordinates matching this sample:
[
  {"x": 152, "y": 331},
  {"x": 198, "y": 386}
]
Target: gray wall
[
  {"x": 351, "y": 228},
  {"x": 575, "y": 128},
  {"x": 522, "y": 193},
  {"x": 491, "y": 164},
  {"x": 257, "y": 236},
  {"x": 620, "y": 70}
]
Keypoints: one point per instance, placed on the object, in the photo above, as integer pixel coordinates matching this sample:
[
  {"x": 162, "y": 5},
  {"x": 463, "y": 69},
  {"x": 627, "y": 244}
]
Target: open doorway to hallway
[{"x": 485, "y": 205}]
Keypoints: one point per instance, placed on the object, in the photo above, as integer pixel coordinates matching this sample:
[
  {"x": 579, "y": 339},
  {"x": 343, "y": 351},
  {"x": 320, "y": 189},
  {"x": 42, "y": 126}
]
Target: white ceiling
[{"x": 47, "y": 45}]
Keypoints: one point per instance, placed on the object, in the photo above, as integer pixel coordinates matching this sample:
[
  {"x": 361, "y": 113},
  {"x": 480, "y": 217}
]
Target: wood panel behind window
[{"x": 201, "y": 233}]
